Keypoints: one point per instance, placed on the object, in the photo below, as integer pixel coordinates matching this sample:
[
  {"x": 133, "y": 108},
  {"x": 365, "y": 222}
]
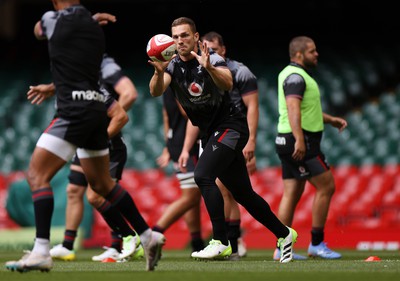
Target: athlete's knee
[
  {"x": 36, "y": 179},
  {"x": 77, "y": 178},
  {"x": 95, "y": 199},
  {"x": 75, "y": 192},
  {"x": 204, "y": 175},
  {"x": 31, "y": 178},
  {"x": 203, "y": 180},
  {"x": 330, "y": 188},
  {"x": 189, "y": 201},
  {"x": 330, "y": 184}
]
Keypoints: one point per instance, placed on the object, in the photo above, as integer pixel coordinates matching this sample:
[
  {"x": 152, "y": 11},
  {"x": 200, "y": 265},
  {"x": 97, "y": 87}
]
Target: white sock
[
  {"x": 145, "y": 237},
  {"x": 41, "y": 246}
]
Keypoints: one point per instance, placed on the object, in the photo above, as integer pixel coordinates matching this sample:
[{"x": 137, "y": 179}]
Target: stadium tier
[{"x": 365, "y": 90}]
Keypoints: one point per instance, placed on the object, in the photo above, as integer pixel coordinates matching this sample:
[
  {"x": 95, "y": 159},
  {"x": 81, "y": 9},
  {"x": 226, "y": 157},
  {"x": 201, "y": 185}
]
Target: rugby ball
[{"x": 161, "y": 47}]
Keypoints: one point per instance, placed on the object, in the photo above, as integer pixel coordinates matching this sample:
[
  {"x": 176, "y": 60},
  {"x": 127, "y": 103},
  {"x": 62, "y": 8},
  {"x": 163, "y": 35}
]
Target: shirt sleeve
[
  {"x": 48, "y": 23},
  {"x": 294, "y": 85}
]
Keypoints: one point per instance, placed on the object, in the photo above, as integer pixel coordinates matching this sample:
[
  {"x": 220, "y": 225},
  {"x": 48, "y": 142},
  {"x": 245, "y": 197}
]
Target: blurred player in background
[
  {"x": 300, "y": 129},
  {"x": 118, "y": 86},
  {"x": 76, "y": 45},
  {"x": 188, "y": 205}
]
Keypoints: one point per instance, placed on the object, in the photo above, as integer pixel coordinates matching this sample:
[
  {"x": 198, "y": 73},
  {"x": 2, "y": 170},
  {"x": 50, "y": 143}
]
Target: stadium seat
[
  {"x": 369, "y": 170},
  {"x": 167, "y": 190},
  {"x": 391, "y": 170}
]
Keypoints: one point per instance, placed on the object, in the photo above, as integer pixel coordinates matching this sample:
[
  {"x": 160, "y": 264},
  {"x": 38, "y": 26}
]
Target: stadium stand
[{"x": 365, "y": 158}]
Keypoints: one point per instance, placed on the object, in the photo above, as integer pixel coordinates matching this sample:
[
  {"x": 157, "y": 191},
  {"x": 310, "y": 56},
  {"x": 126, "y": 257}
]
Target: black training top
[
  {"x": 111, "y": 73},
  {"x": 76, "y": 45},
  {"x": 177, "y": 127},
  {"x": 207, "y": 106},
  {"x": 244, "y": 82}
]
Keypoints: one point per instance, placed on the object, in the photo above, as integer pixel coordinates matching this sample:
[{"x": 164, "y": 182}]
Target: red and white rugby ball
[{"x": 161, "y": 47}]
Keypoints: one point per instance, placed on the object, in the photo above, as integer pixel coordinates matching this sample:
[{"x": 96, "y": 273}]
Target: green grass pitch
[{"x": 176, "y": 265}]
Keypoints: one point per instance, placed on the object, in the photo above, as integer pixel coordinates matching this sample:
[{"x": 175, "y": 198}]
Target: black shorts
[
  {"x": 314, "y": 162},
  {"x": 118, "y": 157},
  {"x": 88, "y": 131}
]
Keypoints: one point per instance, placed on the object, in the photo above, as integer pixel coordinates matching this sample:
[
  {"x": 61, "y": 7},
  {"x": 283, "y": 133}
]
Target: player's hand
[
  {"x": 104, "y": 18},
  {"x": 159, "y": 66},
  {"x": 182, "y": 161},
  {"x": 204, "y": 58},
  {"x": 299, "y": 150},
  {"x": 163, "y": 159},
  {"x": 37, "y": 94},
  {"x": 249, "y": 150},
  {"x": 251, "y": 166},
  {"x": 339, "y": 123}
]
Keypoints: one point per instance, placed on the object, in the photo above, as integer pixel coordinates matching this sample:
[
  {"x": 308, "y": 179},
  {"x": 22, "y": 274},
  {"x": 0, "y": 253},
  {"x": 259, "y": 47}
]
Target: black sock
[
  {"x": 124, "y": 203},
  {"x": 234, "y": 234},
  {"x": 197, "y": 242},
  {"x": 43, "y": 204},
  {"x": 115, "y": 220},
  {"x": 158, "y": 229},
  {"x": 317, "y": 235},
  {"x": 69, "y": 239},
  {"x": 116, "y": 241}
]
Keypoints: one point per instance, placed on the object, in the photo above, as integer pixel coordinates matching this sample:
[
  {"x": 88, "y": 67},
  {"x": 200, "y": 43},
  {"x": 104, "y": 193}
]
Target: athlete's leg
[
  {"x": 97, "y": 172},
  {"x": 292, "y": 191},
  {"x": 190, "y": 198},
  {"x": 237, "y": 180},
  {"x": 75, "y": 205},
  {"x": 192, "y": 218},
  {"x": 47, "y": 159},
  {"x": 324, "y": 189},
  {"x": 210, "y": 164},
  {"x": 188, "y": 206},
  {"x": 232, "y": 216},
  {"x": 42, "y": 168}
]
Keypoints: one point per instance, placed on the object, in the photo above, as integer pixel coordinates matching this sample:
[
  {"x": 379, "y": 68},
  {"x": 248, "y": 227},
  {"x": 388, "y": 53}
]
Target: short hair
[
  {"x": 185, "y": 20},
  {"x": 212, "y": 35},
  {"x": 298, "y": 44}
]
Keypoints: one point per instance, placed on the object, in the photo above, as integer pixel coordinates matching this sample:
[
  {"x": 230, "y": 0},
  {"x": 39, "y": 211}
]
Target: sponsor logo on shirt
[
  {"x": 88, "y": 95},
  {"x": 195, "y": 89}
]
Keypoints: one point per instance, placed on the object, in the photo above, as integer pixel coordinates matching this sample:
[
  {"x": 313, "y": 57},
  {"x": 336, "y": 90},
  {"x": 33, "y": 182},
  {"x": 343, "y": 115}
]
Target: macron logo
[
  {"x": 214, "y": 147},
  {"x": 88, "y": 95}
]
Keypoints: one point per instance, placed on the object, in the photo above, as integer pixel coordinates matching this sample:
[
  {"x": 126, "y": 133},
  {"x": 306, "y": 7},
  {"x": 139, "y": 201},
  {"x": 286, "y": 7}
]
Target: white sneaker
[
  {"x": 277, "y": 255},
  {"x": 152, "y": 249},
  {"x": 322, "y": 251},
  {"x": 108, "y": 253},
  {"x": 129, "y": 245},
  {"x": 242, "y": 250},
  {"x": 61, "y": 253},
  {"x": 215, "y": 250},
  {"x": 286, "y": 246},
  {"x": 31, "y": 261}
]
